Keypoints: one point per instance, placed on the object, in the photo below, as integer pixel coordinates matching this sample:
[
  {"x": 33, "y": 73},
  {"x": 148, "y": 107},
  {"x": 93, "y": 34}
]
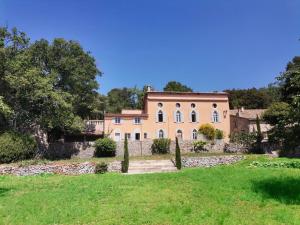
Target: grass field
[{"x": 234, "y": 194}]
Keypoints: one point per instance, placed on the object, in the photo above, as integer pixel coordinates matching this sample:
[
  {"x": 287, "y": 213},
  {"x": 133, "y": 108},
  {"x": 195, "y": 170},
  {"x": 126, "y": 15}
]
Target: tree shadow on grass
[
  {"x": 286, "y": 190},
  {"x": 3, "y": 191}
]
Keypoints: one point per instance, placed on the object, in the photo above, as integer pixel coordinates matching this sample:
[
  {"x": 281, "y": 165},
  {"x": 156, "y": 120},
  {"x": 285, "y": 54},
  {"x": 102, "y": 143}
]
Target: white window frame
[
  {"x": 178, "y": 116},
  {"x": 215, "y": 117},
  {"x": 159, "y": 133},
  {"x": 194, "y": 134},
  {"x": 117, "y": 120},
  {"x": 194, "y": 113},
  {"x": 137, "y": 120}
]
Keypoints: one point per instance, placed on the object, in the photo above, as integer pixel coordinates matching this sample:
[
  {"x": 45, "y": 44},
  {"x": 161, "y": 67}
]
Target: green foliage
[
  {"x": 246, "y": 139},
  {"x": 101, "y": 168},
  {"x": 161, "y": 146},
  {"x": 125, "y": 162},
  {"x": 219, "y": 134},
  {"x": 174, "y": 86},
  {"x": 259, "y": 137},
  {"x": 199, "y": 146},
  {"x": 277, "y": 164},
  {"x": 253, "y": 98},
  {"x": 285, "y": 116},
  {"x": 5, "y": 110},
  {"x": 105, "y": 147},
  {"x": 177, "y": 155},
  {"x": 47, "y": 85},
  {"x": 207, "y": 130},
  {"x": 125, "y": 98},
  {"x": 15, "y": 146}
]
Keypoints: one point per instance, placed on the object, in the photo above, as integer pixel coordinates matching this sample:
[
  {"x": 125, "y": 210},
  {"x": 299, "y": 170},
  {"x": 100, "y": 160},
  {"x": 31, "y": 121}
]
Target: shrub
[
  {"x": 178, "y": 155},
  {"x": 105, "y": 147},
  {"x": 246, "y": 139},
  {"x": 125, "y": 162},
  {"x": 207, "y": 130},
  {"x": 101, "y": 168},
  {"x": 279, "y": 164},
  {"x": 15, "y": 146},
  {"x": 199, "y": 146},
  {"x": 219, "y": 134},
  {"x": 161, "y": 146}
]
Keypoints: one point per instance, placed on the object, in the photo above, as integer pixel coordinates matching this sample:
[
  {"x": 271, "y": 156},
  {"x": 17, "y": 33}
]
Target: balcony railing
[{"x": 94, "y": 126}]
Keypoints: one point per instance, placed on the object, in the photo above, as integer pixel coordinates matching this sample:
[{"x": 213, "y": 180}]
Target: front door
[{"x": 137, "y": 136}]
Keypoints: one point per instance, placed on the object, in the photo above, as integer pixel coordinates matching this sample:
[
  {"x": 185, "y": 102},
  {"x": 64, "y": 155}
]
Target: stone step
[{"x": 151, "y": 166}]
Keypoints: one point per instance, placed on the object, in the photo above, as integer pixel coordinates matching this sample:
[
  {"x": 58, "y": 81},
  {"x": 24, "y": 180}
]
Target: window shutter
[
  {"x": 190, "y": 116},
  {"x": 220, "y": 116},
  {"x": 164, "y": 117},
  {"x": 197, "y": 117},
  {"x": 156, "y": 116},
  {"x": 212, "y": 116},
  {"x": 175, "y": 116},
  {"x": 182, "y": 117}
]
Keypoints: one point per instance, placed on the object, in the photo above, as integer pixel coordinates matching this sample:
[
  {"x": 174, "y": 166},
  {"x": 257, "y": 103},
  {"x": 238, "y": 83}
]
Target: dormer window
[{"x": 117, "y": 120}]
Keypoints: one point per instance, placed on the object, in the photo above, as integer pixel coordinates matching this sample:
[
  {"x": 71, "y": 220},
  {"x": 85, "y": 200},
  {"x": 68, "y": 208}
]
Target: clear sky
[{"x": 206, "y": 44}]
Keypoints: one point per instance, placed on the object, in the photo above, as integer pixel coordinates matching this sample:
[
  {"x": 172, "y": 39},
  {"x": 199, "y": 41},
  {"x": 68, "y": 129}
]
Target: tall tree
[
  {"x": 285, "y": 117},
  {"x": 175, "y": 86},
  {"x": 47, "y": 86},
  {"x": 125, "y": 98}
]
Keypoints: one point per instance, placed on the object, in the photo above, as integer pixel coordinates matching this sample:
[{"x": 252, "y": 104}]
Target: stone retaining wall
[
  {"x": 51, "y": 168},
  {"x": 210, "y": 161},
  {"x": 64, "y": 150}
]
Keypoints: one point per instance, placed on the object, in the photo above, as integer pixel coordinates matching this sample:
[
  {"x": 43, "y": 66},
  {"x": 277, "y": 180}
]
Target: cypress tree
[
  {"x": 125, "y": 163},
  {"x": 259, "y": 136},
  {"x": 178, "y": 155}
]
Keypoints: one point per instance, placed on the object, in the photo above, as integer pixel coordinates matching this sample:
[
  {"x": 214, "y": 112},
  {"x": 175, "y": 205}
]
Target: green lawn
[{"x": 234, "y": 194}]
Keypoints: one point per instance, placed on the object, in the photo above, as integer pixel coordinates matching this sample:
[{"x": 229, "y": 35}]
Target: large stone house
[{"x": 170, "y": 114}]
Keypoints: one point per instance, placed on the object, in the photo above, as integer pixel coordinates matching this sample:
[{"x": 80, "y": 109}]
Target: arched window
[
  {"x": 179, "y": 134},
  {"x": 161, "y": 134},
  {"x": 215, "y": 117},
  {"x": 178, "y": 117},
  {"x": 160, "y": 116},
  {"x": 194, "y": 116},
  {"x": 177, "y": 105},
  {"x": 195, "y": 134}
]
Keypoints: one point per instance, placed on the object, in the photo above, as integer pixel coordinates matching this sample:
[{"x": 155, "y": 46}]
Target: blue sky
[{"x": 206, "y": 44}]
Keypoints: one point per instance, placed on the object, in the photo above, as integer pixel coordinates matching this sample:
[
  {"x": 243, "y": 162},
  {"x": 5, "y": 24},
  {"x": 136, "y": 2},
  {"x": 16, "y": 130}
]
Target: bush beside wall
[
  {"x": 161, "y": 146},
  {"x": 101, "y": 168},
  {"x": 15, "y": 146},
  {"x": 105, "y": 147}
]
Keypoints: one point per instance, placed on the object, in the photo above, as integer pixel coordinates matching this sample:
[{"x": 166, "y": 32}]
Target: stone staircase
[{"x": 151, "y": 166}]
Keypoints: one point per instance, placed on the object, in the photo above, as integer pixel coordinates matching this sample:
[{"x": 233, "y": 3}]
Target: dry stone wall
[{"x": 52, "y": 168}]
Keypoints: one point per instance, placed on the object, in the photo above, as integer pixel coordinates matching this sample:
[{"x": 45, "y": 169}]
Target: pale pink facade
[{"x": 170, "y": 114}]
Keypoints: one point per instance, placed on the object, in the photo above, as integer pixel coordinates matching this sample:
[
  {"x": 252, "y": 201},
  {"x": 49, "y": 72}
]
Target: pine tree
[
  {"x": 125, "y": 163},
  {"x": 178, "y": 155}
]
